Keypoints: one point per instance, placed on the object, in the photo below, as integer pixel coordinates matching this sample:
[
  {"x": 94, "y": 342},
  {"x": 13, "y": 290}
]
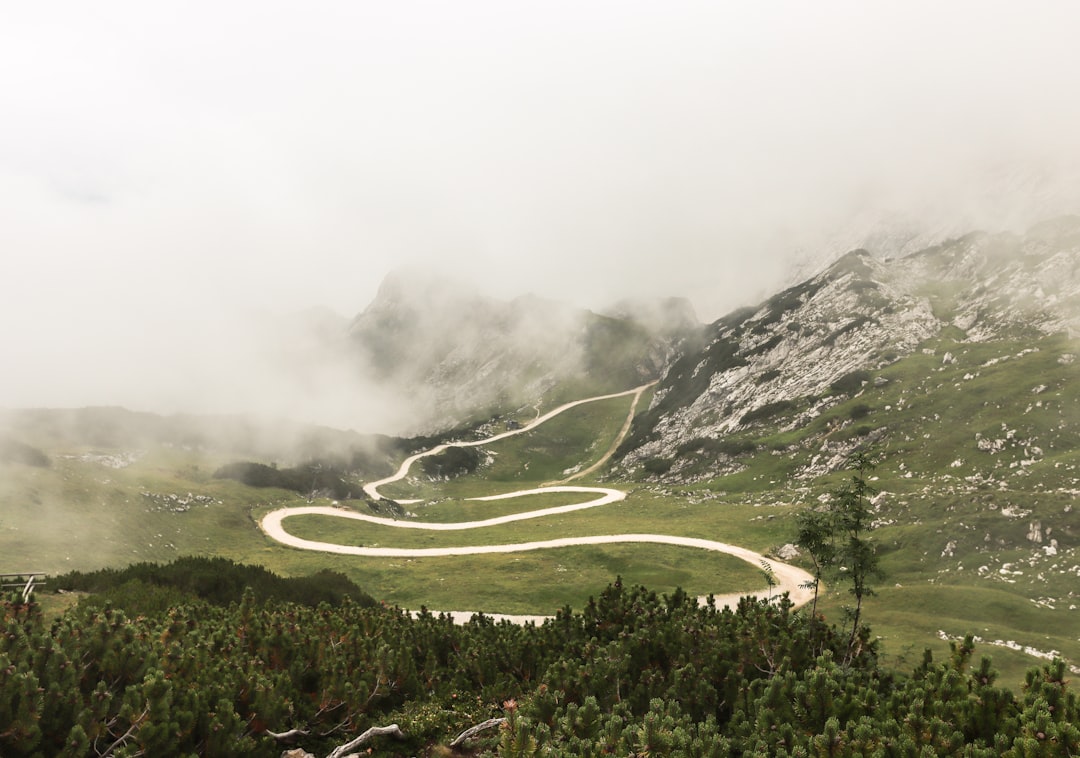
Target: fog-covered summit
[{"x": 454, "y": 352}]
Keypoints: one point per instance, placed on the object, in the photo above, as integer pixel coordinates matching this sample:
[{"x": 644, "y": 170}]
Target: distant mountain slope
[
  {"x": 457, "y": 354},
  {"x": 802, "y": 348}
]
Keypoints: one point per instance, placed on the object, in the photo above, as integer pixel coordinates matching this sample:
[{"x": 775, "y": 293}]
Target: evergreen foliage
[
  {"x": 311, "y": 477},
  {"x": 630, "y": 674},
  {"x": 147, "y": 587},
  {"x": 836, "y": 538},
  {"x": 454, "y": 461}
]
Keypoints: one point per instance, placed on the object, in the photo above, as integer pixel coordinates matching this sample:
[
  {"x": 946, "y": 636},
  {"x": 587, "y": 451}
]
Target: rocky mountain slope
[{"x": 802, "y": 351}]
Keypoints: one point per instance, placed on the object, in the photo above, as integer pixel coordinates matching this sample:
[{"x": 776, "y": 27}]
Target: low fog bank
[
  {"x": 428, "y": 351},
  {"x": 309, "y": 367},
  {"x": 280, "y": 367}
]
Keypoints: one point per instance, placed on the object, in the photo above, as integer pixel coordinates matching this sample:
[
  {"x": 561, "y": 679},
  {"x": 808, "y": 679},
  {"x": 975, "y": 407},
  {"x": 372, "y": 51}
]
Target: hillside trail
[
  {"x": 625, "y": 430},
  {"x": 789, "y": 579}
]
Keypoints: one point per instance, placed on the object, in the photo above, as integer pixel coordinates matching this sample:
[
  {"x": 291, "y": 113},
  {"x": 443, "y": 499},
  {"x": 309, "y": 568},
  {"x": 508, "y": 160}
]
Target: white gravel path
[
  {"x": 372, "y": 488},
  {"x": 272, "y": 521},
  {"x": 789, "y": 578}
]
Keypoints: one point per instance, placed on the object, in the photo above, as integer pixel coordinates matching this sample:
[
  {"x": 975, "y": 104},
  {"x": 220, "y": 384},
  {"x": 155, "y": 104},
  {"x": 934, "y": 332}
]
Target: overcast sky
[{"x": 168, "y": 168}]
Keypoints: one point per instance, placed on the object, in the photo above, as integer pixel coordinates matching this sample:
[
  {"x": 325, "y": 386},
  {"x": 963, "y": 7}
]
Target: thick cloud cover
[{"x": 173, "y": 173}]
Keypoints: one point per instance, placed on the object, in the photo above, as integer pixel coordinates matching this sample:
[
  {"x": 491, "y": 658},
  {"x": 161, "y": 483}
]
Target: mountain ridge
[{"x": 859, "y": 315}]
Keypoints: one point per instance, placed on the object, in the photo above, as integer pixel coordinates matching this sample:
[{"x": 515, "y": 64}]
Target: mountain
[
  {"x": 458, "y": 355},
  {"x": 803, "y": 351}
]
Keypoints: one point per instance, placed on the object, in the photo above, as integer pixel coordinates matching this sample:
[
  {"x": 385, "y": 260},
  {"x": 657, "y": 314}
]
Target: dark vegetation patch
[
  {"x": 852, "y": 326},
  {"x": 454, "y": 461},
  {"x": 152, "y": 587},
  {"x": 859, "y": 410},
  {"x": 311, "y": 477},
  {"x": 794, "y": 297},
  {"x": 853, "y": 262},
  {"x": 657, "y": 466},
  {"x": 13, "y": 451},
  {"x": 408, "y": 445},
  {"x": 734, "y": 320},
  {"x": 863, "y": 285},
  {"x": 851, "y": 382},
  {"x": 771, "y": 318},
  {"x": 768, "y": 376},
  {"x": 766, "y": 346},
  {"x": 371, "y": 462},
  {"x": 768, "y": 411},
  {"x": 723, "y": 445}
]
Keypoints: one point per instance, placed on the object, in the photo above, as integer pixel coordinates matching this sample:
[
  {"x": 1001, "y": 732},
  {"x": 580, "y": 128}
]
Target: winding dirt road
[
  {"x": 372, "y": 488},
  {"x": 789, "y": 579}
]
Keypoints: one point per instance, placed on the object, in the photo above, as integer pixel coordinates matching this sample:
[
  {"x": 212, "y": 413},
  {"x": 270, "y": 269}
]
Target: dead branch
[
  {"x": 344, "y": 724},
  {"x": 289, "y": 736},
  {"x": 136, "y": 724},
  {"x": 472, "y": 731},
  {"x": 376, "y": 731}
]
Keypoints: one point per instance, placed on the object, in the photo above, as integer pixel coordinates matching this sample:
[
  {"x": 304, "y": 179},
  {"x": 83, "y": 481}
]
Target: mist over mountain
[
  {"x": 166, "y": 210},
  {"x": 452, "y": 353},
  {"x": 891, "y": 221}
]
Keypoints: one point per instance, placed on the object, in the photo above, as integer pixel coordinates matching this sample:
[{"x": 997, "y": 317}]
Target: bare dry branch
[
  {"x": 289, "y": 736},
  {"x": 135, "y": 726},
  {"x": 376, "y": 731},
  {"x": 472, "y": 731}
]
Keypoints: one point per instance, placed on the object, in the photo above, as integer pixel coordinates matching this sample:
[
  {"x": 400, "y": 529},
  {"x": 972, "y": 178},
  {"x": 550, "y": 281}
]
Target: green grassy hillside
[{"x": 978, "y": 520}]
